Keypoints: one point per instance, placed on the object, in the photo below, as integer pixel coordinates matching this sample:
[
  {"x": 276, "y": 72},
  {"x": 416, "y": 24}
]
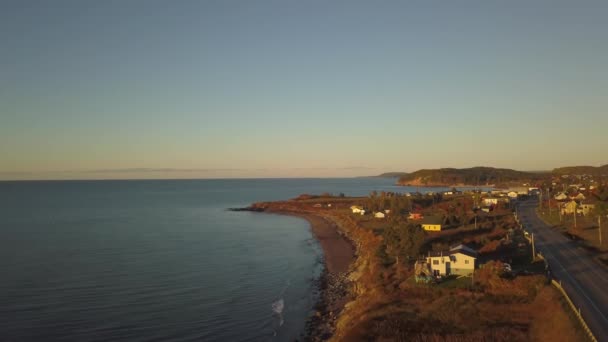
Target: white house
[
  {"x": 585, "y": 209},
  {"x": 379, "y": 215},
  {"x": 512, "y": 194},
  {"x": 459, "y": 260},
  {"x": 357, "y": 210},
  {"x": 490, "y": 201},
  {"x": 561, "y": 196}
]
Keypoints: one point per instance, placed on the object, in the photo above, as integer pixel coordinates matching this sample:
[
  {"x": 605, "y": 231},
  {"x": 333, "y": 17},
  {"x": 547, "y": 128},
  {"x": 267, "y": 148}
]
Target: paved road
[{"x": 584, "y": 279}]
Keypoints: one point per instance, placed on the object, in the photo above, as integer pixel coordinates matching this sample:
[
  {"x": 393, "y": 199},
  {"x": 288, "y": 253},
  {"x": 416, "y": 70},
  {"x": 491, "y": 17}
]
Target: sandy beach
[{"x": 338, "y": 251}]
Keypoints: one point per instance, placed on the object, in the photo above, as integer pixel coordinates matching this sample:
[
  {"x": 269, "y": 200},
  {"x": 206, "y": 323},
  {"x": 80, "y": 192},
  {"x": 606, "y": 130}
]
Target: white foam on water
[{"x": 278, "y": 307}]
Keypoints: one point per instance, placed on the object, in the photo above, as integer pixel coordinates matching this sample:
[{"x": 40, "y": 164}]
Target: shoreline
[{"x": 339, "y": 253}]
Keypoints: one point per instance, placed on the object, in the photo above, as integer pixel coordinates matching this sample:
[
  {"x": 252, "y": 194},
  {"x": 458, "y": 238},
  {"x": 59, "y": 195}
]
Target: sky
[{"x": 220, "y": 89}]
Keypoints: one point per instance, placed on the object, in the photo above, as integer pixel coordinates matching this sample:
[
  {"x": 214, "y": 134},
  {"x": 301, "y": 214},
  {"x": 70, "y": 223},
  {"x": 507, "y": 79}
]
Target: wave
[{"x": 278, "y": 307}]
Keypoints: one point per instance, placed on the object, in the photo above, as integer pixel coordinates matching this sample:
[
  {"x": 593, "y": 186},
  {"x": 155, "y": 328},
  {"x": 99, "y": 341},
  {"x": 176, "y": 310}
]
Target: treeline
[
  {"x": 582, "y": 170},
  {"x": 470, "y": 176},
  {"x": 400, "y": 204}
]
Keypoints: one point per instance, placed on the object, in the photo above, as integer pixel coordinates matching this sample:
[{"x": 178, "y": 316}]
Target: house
[
  {"x": 415, "y": 216},
  {"x": 357, "y": 210},
  {"x": 490, "y": 201},
  {"x": 318, "y": 205},
  {"x": 578, "y": 197},
  {"x": 520, "y": 190},
  {"x": 379, "y": 215},
  {"x": 569, "y": 208},
  {"x": 512, "y": 194},
  {"x": 585, "y": 209},
  {"x": 432, "y": 223},
  {"x": 561, "y": 197},
  {"x": 459, "y": 260}
]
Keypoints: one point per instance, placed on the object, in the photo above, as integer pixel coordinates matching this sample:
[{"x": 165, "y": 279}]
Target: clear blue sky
[{"x": 139, "y": 89}]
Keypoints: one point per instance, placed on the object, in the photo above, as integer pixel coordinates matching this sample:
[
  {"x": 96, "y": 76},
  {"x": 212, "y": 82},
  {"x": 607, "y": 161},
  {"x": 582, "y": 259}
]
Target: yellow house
[{"x": 432, "y": 223}]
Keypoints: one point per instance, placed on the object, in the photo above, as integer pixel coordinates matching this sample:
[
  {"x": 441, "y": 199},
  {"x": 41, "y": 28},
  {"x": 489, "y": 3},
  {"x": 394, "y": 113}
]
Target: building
[
  {"x": 459, "y": 260},
  {"x": 490, "y": 201},
  {"x": 379, "y": 215},
  {"x": 578, "y": 197},
  {"x": 432, "y": 223},
  {"x": 415, "y": 216},
  {"x": 357, "y": 210},
  {"x": 585, "y": 209},
  {"x": 512, "y": 194},
  {"x": 520, "y": 190},
  {"x": 561, "y": 197},
  {"x": 569, "y": 208}
]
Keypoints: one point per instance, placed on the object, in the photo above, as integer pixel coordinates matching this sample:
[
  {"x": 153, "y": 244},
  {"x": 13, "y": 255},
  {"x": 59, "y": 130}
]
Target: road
[{"x": 584, "y": 279}]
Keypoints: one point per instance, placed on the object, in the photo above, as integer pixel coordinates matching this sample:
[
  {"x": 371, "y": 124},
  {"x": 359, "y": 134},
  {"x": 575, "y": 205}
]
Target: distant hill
[
  {"x": 582, "y": 170},
  {"x": 392, "y": 174},
  {"x": 468, "y": 177}
]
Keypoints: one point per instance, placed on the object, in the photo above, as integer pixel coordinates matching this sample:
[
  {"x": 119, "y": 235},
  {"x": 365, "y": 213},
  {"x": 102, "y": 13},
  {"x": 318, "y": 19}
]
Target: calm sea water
[{"x": 158, "y": 260}]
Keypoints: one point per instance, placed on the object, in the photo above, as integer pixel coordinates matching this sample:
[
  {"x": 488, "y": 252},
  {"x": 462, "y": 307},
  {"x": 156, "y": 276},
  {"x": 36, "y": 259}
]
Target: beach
[{"x": 333, "y": 284}]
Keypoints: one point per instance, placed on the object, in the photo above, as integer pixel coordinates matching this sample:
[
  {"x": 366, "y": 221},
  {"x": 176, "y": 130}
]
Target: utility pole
[
  {"x": 549, "y": 201},
  {"x": 533, "y": 251},
  {"x": 574, "y": 217},
  {"x": 599, "y": 228}
]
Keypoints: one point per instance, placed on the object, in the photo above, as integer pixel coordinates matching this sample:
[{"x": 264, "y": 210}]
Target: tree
[
  {"x": 601, "y": 193},
  {"x": 403, "y": 241}
]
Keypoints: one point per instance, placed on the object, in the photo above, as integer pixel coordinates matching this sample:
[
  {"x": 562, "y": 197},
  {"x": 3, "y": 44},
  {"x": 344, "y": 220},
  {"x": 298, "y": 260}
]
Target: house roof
[
  {"x": 432, "y": 220},
  {"x": 464, "y": 249},
  {"x": 439, "y": 254}
]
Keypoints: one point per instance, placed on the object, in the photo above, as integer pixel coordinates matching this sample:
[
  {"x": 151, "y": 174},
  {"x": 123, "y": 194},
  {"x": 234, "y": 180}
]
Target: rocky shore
[
  {"x": 333, "y": 294},
  {"x": 333, "y": 285}
]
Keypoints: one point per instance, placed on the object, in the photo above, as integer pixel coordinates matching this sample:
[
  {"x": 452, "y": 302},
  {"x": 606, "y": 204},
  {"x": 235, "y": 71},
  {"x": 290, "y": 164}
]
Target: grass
[
  {"x": 586, "y": 228},
  {"x": 554, "y": 320}
]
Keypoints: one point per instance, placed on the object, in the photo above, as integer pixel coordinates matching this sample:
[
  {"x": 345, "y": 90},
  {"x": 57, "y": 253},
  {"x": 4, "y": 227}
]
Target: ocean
[{"x": 159, "y": 260}]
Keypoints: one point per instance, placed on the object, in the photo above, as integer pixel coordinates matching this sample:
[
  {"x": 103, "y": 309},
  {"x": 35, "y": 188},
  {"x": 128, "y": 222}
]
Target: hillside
[
  {"x": 468, "y": 177},
  {"x": 582, "y": 170},
  {"x": 392, "y": 174}
]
